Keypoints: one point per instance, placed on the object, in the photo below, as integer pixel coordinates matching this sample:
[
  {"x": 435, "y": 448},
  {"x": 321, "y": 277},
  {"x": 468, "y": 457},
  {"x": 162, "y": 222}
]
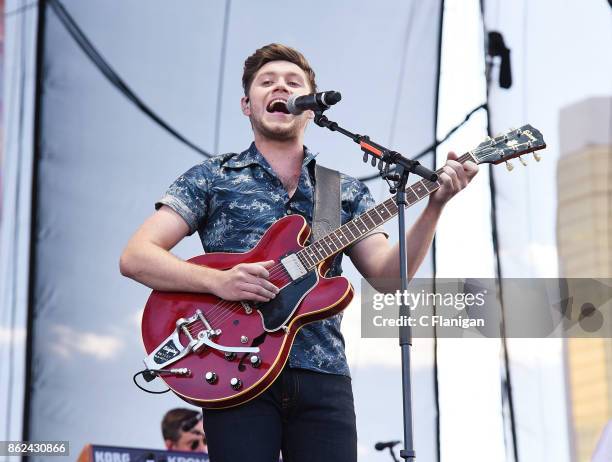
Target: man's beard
[{"x": 277, "y": 133}]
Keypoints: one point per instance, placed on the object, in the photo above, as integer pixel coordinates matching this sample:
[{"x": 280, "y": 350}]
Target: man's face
[
  {"x": 266, "y": 105},
  {"x": 192, "y": 441}
]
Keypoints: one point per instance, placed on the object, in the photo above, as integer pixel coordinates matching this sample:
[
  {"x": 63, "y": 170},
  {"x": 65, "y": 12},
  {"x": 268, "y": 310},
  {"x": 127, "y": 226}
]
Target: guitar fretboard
[{"x": 358, "y": 227}]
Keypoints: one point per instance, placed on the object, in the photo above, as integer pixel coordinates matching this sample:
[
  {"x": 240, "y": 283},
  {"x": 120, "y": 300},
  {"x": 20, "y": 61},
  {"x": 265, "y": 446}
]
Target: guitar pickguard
[{"x": 276, "y": 313}]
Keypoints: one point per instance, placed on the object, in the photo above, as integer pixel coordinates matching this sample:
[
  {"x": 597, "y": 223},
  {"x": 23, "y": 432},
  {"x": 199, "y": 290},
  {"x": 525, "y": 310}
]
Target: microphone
[
  {"x": 314, "y": 102},
  {"x": 380, "y": 446}
]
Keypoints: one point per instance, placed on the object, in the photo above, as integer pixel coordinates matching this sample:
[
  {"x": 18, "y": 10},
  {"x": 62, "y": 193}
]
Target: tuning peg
[
  {"x": 509, "y": 166},
  {"x": 537, "y": 157},
  {"x": 523, "y": 161}
]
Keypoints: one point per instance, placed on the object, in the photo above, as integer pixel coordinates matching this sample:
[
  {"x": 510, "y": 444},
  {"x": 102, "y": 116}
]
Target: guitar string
[
  {"x": 228, "y": 308},
  {"x": 225, "y": 309},
  {"x": 224, "y": 315},
  {"x": 227, "y": 312},
  {"x": 277, "y": 270}
]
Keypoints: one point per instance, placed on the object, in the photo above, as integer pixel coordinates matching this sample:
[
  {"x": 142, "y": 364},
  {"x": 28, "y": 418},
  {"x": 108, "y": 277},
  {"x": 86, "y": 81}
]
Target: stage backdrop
[{"x": 102, "y": 164}]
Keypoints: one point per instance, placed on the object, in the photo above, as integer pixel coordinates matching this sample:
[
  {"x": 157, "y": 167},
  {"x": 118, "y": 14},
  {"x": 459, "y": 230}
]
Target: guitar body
[{"x": 271, "y": 326}]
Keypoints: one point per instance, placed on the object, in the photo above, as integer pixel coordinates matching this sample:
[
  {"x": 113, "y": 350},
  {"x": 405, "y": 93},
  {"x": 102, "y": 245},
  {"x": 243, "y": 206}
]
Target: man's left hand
[{"x": 454, "y": 178}]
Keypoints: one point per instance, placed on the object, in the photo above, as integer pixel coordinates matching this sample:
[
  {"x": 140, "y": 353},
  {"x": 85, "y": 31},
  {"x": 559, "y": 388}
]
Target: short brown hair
[
  {"x": 275, "y": 52},
  {"x": 174, "y": 420}
]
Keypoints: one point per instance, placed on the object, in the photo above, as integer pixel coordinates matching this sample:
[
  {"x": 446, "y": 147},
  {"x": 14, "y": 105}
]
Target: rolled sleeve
[
  {"x": 188, "y": 196},
  {"x": 361, "y": 200}
]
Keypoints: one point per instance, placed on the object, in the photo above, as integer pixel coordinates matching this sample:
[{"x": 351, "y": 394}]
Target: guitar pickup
[{"x": 293, "y": 266}]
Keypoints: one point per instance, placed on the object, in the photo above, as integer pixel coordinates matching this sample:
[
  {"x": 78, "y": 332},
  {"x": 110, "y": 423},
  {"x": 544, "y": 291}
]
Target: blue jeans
[{"x": 309, "y": 415}]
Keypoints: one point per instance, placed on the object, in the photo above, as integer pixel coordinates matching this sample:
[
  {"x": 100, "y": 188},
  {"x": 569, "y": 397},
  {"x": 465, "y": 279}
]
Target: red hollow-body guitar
[{"x": 215, "y": 353}]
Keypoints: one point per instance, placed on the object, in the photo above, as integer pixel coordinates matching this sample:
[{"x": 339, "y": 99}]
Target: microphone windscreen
[
  {"x": 332, "y": 97},
  {"x": 291, "y": 105}
]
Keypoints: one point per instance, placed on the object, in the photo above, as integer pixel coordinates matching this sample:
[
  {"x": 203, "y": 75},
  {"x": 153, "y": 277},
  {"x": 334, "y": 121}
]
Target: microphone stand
[{"x": 397, "y": 184}]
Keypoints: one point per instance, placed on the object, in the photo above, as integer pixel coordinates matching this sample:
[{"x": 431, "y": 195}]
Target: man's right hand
[{"x": 246, "y": 281}]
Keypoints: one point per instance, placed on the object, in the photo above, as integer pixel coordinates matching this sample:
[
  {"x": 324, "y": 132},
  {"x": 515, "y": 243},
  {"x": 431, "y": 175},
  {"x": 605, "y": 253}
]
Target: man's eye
[
  {"x": 266, "y": 82},
  {"x": 294, "y": 84}
]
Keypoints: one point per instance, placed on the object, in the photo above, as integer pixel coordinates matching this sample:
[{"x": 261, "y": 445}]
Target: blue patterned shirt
[{"x": 232, "y": 199}]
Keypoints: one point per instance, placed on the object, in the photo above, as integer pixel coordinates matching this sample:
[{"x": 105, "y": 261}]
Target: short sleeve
[
  {"x": 189, "y": 196},
  {"x": 360, "y": 200}
]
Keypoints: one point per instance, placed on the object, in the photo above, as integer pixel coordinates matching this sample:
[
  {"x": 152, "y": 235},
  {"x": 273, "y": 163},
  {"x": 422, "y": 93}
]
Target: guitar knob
[
  {"x": 509, "y": 166},
  {"x": 230, "y": 356},
  {"x": 211, "y": 377},
  {"x": 255, "y": 361},
  {"x": 536, "y": 156},
  {"x": 236, "y": 383}
]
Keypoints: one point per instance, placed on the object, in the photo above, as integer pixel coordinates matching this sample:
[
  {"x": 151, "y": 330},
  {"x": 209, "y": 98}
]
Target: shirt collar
[{"x": 253, "y": 156}]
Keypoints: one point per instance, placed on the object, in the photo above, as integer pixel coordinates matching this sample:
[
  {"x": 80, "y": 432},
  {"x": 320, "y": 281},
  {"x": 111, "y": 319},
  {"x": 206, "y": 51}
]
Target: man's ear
[{"x": 245, "y": 105}]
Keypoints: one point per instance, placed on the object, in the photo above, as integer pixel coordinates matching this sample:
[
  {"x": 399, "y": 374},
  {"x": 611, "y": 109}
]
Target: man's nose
[{"x": 281, "y": 85}]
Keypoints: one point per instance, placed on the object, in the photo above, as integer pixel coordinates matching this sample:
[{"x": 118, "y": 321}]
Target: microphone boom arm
[{"x": 383, "y": 155}]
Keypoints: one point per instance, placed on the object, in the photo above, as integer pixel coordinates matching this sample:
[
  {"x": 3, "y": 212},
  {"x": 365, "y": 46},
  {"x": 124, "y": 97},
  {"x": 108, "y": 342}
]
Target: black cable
[
  {"x": 400, "y": 81},
  {"x": 153, "y": 392},
  {"x": 32, "y": 277},
  {"x": 98, "y": 60},
  {"x": 228, "y": 7},
  {"x": 507, "y": 383},
  {"x": 436, "y": 371},
  {"x": 435, "y": 145},
  {"x": 21, "y": 9}
]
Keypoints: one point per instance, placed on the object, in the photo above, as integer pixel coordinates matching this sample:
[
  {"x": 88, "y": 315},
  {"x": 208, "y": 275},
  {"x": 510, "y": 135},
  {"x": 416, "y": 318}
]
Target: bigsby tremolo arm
[{"x": 171, "y": 349}]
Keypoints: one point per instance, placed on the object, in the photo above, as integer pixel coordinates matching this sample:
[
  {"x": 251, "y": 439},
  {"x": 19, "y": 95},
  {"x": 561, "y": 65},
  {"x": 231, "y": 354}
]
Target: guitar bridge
[{"x": 171, "y": 349}]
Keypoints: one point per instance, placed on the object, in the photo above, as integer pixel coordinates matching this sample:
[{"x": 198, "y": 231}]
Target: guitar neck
[{"x": 358, "y": 227}]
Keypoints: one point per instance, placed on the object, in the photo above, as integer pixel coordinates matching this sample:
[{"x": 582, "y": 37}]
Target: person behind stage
[
  {"x": 230, "y": 200},
  {"x": 182, "y": 430}
]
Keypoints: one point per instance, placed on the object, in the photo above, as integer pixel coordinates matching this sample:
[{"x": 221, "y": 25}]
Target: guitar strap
[{"x": 326, "y": 208}]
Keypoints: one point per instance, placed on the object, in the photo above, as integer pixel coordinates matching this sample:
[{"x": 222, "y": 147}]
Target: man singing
[{"x": 230, "y": 200}]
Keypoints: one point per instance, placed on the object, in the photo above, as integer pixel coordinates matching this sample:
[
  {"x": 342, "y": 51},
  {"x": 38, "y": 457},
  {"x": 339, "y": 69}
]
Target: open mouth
[{"x": 278, "y": 105}]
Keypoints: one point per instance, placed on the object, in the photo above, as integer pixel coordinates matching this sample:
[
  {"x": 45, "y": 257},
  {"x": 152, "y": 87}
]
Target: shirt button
[{"x": 288, "y": 212}]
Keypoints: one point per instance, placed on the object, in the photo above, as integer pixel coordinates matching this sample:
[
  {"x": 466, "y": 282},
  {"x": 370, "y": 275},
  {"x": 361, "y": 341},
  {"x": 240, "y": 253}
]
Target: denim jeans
[{"x": 309, "y": 415}]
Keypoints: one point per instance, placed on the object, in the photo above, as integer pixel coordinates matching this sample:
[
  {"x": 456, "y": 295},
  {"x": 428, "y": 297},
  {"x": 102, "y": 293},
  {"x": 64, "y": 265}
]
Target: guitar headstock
[{"x": 509, "y": 145}]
